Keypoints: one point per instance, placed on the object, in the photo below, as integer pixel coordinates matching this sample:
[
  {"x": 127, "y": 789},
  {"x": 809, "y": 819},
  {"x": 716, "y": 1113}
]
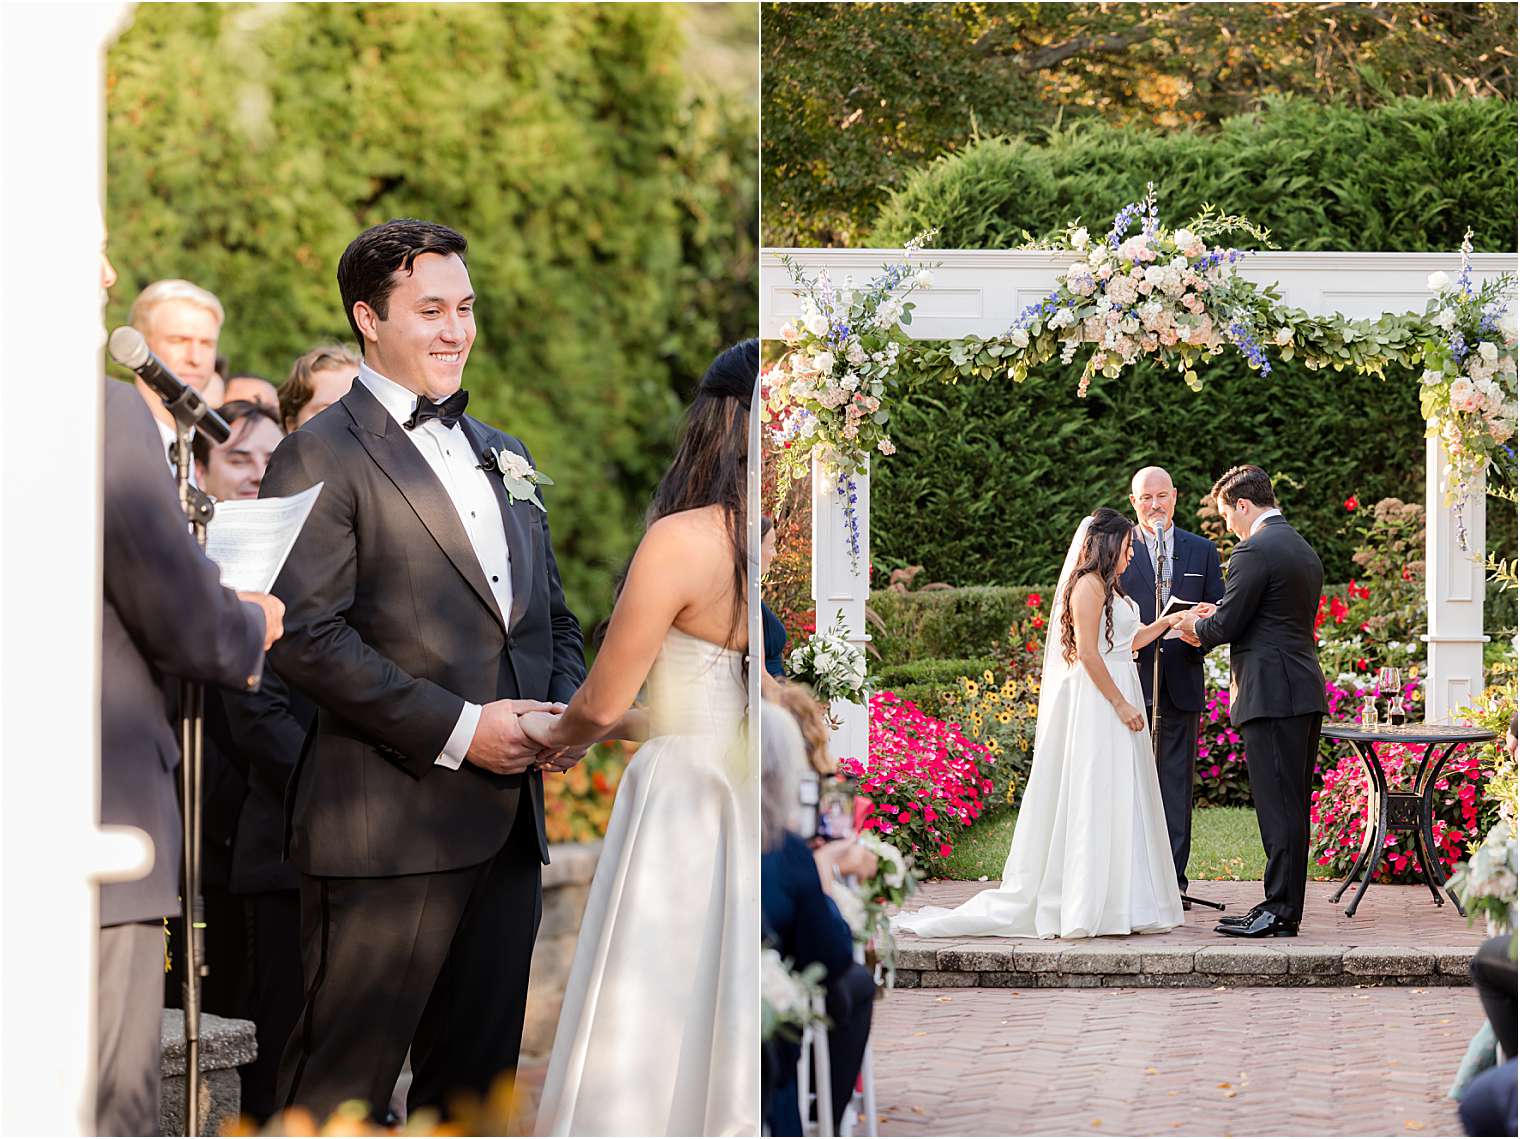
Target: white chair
[{"x": 813, "y": 1079}]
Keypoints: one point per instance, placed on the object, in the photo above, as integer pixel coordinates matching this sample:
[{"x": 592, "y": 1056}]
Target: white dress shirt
[
  {"x": 454, "y": 461},
  {"x": 1261, "y": 518},
  {"x": 169, "y": 433}
]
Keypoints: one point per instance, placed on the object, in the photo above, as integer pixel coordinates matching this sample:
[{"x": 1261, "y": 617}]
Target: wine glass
[{"x": 1388, "y": 686}]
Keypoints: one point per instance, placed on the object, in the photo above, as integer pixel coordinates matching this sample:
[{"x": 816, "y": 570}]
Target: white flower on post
[
  {"x": 816, "y": 323},
  {"x": 855, "y": 354},
  {"x": 924, "y": 278},
  {"x": 1284, "y": 336},
  {"x": 1062, "y": 318},
  {"x": 789, "y": 332},
  {"x": 886, "y": 446},
  {"x": 1489, "y": 351},
  {"x": 850, "y": 382},
  {"x": 823, "y": 362},
  {"x": 1438, "y": 282},
  {"x": 1431, "y": 376},
  {"x": 1184, "y": 238},
  {"x": 1079, "y": 238},
  {"x": 1445, "y": 319},
  {"x": 1464, "y": 395}
]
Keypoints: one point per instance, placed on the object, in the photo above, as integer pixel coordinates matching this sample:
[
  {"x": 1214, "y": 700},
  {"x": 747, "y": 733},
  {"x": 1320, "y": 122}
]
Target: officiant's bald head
[{"x": 1153, "y": 497}]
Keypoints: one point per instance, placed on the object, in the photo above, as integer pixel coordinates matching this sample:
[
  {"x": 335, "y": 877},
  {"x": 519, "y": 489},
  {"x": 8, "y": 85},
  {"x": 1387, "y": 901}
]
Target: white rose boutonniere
[{"x": 518, "y": 476}]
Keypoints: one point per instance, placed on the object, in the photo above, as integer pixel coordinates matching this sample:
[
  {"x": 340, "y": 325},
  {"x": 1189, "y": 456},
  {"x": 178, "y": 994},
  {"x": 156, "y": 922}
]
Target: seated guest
[
  {"x": 775, "y": 631},
  {"x": 808, "y": 711},
  {"x": 317, "y": 380},
  {"x": 802, "y": 923},
  {"x": 234, "y": 469},
  {"x": 254, "y": 389}
]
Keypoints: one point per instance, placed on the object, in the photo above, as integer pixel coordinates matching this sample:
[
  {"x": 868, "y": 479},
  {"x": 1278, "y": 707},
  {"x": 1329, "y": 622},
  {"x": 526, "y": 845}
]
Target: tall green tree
[
  {"x": 857, "y": 95},
  {"x": 606, "y": 187}
]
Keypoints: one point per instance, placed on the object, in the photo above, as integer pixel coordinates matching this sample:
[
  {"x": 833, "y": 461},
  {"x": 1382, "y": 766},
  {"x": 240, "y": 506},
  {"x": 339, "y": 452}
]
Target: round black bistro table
[{"x": 1401, "y": 810}]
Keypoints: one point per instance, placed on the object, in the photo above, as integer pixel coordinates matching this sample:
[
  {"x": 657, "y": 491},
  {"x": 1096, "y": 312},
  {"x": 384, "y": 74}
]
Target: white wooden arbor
[{"x": 979, "y": 292}]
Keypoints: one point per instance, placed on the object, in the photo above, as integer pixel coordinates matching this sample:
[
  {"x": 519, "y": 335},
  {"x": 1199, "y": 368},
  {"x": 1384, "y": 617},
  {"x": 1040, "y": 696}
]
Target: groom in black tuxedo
[
  {"x": 1188, "y": 567},
  {"x": 424, "y": 615},
  {"x": 1277, "y": 691}
]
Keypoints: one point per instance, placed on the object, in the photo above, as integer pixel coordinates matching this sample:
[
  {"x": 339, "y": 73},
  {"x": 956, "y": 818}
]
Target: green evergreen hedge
[
  {"x": 953, "y": 625},
  {"x": 608, "y": 199},
  {"x": 1406, "y": 177}
]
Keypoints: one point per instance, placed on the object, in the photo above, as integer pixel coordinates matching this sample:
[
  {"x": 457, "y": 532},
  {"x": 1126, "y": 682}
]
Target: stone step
[
  {"x": 224, "y": 1044},
  {"x": 991, "y": 964}
]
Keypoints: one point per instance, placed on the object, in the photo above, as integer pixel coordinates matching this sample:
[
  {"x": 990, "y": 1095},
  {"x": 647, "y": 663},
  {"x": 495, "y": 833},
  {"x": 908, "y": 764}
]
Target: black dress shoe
[
  {"x": 1242, "y": 919},
  {"x": 1262, "y": 923},
  {"x": 1187, "y": 905}
]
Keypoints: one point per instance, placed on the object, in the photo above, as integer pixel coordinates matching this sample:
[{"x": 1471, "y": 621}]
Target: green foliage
[
  {"x": 857, "y": 95},
  {"x": 926, "y": 680},
  {"x": 1406, "y": 177},
  {"x": 976, "y": 495},
  {"x": 948, "y": 625},
  {"x": 608, "y": 198}
]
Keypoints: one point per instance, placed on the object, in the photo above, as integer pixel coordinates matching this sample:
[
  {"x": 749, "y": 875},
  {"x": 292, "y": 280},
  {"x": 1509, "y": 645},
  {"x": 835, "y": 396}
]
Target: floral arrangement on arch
[
  {"x": 1468, "y": 389},
  {"x": 1160, "y": 293},
  {"x": 867, "y": 905},
  {"x": 922, "y": 779},
  {"x": 830, "y": 395}
]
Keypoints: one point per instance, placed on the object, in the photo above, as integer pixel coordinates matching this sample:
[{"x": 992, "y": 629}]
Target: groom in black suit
[
  {"x": 424, "y": 615},
  {"x": 1277, "y": 691},
  {"x": 1189, "y": 571}
]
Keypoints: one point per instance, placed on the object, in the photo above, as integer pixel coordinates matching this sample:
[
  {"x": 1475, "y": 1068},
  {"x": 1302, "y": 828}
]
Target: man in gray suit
[{"x": 165, "y": 613}]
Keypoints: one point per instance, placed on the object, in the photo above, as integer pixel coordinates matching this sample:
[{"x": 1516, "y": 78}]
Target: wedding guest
[
  {"x": 808, "y": 711},
  {"x": 775, "y": 631},
  {"x": 164, "y": 611},
  {"x": 317, "y": 380},
  {"x": 181, "y": 323},
  {"x": 255, "y": 389},
  {"x": 802, "y": 923},
  {"x": 235, "y": 469}
]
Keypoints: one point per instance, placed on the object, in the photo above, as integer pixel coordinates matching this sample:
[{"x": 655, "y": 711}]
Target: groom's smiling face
[{"x": 429, "y": 326}]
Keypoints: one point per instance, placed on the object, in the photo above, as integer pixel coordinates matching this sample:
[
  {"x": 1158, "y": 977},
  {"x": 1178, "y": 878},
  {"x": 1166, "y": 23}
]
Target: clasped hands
[
  {"x": 1187, "y": 621},
  {"x": 519, "y": 735}
]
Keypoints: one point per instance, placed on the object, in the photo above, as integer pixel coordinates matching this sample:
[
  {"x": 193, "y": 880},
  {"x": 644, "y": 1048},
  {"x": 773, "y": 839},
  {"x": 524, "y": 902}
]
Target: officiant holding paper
[{"x": 1187, "y": 566}]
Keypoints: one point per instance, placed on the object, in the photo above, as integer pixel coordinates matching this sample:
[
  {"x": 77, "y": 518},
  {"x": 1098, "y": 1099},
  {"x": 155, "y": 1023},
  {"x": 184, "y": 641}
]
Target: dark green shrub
[
  {"x": 1406, "y": 177},
  {"x": 948, "y": 624}
]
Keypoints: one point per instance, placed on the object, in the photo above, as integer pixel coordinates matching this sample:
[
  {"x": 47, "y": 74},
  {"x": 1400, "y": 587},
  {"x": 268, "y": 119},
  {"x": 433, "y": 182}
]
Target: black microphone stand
[
  {"x": 198, "y": 509},
  {"x": 1156, "y": 694}
]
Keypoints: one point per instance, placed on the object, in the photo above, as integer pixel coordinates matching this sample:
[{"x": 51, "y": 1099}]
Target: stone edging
[{"x": 1065, "y": 966}]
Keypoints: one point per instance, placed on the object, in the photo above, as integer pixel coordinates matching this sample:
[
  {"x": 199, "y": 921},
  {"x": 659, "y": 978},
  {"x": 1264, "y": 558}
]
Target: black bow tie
[{"x": 447, "y": 412}]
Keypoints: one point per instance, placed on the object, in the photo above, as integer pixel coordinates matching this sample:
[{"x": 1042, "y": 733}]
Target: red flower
[
  {"x": 1037, "y": 621},
  {"x": 1351, "y": 504},
  {"x": 1030, "y": 646},
  {"x": 1033, "y": 601}
]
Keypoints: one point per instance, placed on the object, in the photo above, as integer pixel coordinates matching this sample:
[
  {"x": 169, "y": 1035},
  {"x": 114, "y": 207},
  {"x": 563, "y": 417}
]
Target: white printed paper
[{"x": 249, "y": 539}]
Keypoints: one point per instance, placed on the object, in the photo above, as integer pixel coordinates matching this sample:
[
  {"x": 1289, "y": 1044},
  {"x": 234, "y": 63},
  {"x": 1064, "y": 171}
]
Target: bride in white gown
[
  {"x": 1090, "y": 854},
  {"x": 659, "y": 1031}
]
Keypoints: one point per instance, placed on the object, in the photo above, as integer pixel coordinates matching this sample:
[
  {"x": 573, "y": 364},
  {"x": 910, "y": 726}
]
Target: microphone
[{"x": 128, "y": 348}]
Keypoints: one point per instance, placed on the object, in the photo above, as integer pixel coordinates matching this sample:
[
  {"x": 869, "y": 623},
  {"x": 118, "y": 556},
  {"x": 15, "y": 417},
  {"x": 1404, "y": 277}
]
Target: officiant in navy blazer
[{"x": 1189, "y": 565}]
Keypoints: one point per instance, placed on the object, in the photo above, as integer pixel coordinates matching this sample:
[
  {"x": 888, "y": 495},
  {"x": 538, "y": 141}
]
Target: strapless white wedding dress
[
  {"x": 660, "y": 1028},
  {"x": 1090, "y": 854}
]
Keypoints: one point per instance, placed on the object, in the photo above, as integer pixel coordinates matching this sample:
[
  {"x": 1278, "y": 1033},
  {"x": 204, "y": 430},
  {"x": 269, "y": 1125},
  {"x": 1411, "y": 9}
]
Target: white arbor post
[
  {"x": 52, "y": 84},
  {"x": 1454, "y": 579},
  {"x": 843, "y": 586},
  {"x": 980, "y": 292}
]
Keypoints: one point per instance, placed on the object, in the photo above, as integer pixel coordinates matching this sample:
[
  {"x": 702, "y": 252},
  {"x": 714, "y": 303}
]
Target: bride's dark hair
[
  {"x": 1100, "y": 555},
  {"x": 711, "y": 464}
]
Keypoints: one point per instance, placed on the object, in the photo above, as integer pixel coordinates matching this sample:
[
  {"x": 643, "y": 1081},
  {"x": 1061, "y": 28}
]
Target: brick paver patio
[
  {"x": 1257, "y": 1061},
  {"x": 1388, "y": 915}
]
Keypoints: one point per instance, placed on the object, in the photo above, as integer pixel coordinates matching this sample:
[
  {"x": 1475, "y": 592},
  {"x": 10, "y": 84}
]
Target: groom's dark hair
[
  {"x": 1244, "y": 482},
  {"x": 366, "y": 271}
]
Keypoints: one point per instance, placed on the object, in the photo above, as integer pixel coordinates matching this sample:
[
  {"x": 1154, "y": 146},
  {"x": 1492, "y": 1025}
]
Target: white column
[
  {"x": 840, "y": 587},
  {"x": 1454, "y": 579},
  {"x": 52, "y": 101}
]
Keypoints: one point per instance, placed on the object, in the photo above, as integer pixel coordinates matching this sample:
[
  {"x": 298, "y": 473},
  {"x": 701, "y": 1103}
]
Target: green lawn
[{"x": 1226, "y": 845}]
